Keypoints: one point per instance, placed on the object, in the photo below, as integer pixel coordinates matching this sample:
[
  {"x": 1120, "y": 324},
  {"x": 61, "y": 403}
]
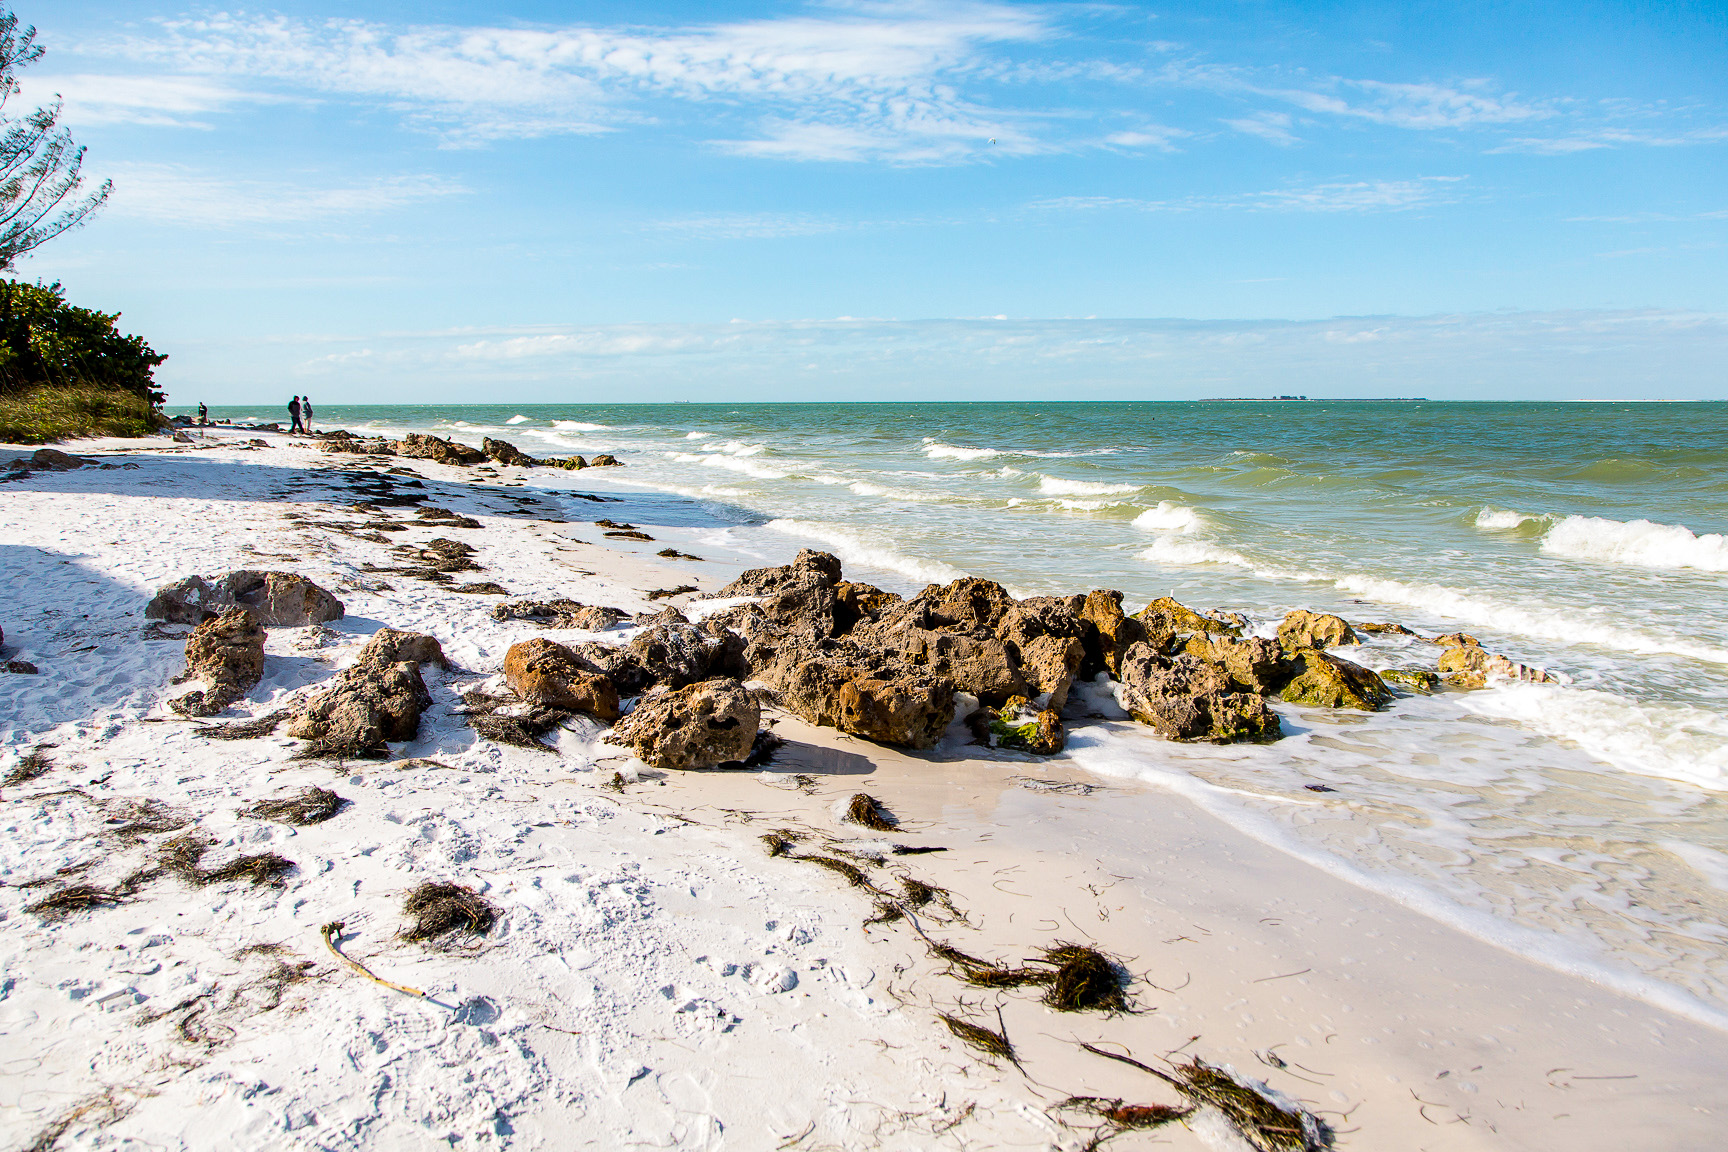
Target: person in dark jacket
[{"x": 294, "y": 415}]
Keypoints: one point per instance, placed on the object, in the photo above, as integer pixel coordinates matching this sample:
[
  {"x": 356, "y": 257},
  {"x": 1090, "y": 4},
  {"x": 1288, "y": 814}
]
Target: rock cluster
[
  {"x": 277, "y": 599},
  {"x": 698, "y": 725},
  {"x": 421, "y": 446}
]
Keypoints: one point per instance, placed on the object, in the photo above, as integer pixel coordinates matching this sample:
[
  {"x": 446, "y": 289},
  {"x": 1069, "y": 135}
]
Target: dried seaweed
[
  {"x": 980, "y": 1038},
  {"x": 34, "y": 765},
  {"x": 484, "y": 588},
  {"x": 136, "y": 819},
  {"x": 312, "y": 805},
  {"x": 100, "y": 1110},
  {"x": 80, "y": 897},
  {"x": 615, "y": 784},
  {"x": 519, "y": 731},
  {"x": 867, "y": 811},
  {"x": 780, "y": 843},
  {"x": 852, "y": 874},
  {"x": 1264, "y": 1123},
  {"x": 665, "y": 593},
  {"x": 325, "y": 748},
  {"x": 1085, "y": 980},
  {"x": 762, "y": 751},
  {"x": 263, "y": 868},
  {"x": 439, "y": 909},
  {"x": 1118, "y": 1117}
]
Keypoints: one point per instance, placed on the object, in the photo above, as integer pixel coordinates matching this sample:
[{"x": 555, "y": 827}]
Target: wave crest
[
  {"x": 1644, "y": 543},
  {"x": 1056, "y": 486},
  {"x": 939, "y": 451}
]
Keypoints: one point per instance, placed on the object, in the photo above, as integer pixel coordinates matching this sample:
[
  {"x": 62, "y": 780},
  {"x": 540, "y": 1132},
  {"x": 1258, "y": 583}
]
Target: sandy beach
[{"x": 656, "y": 978}]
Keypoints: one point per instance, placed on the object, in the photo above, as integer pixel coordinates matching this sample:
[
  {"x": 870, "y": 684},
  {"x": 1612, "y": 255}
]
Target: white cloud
[
  {"x": 749, "y": 225},
  {"x": 1590, "y": 139},
  {"x": 1270, "y": 126},
  {"x": 173, "y": 194},
  {"x": 93, "y": 99},
  {"x": 1420, "y": 106},
  {"x": 1348, "y": 196}
]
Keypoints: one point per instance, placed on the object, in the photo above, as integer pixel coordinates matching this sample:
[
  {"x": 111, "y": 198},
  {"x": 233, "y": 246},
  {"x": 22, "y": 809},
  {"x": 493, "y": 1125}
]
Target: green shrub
[
  {"x": 46, "y": 414},
  {"x": 46, "y": 341}
]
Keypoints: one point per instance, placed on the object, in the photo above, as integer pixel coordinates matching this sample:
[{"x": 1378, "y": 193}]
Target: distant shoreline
[{"x": 1314, "y": 400}]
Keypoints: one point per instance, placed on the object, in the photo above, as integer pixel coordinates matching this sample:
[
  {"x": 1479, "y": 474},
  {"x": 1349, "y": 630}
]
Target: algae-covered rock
[
  {"x": 1322, "y": 680},
  {"x": 1457, "y": 640},
  {"x": 1415, "y": 679},
  {"x": 1185, "y": 698},
  {"x": 1383, "y": 629},
  {"x": 505, "y": 452},
  {"x": 1026, "y": 729},
  {"x": 1470, "y": 666},
  {"x": 1304, "y": 629},
  {"x": 1167, "y": 615}
]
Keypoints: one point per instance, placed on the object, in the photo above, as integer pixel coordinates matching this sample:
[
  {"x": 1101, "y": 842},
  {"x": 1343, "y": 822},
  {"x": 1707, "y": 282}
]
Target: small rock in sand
[
  {"x": 376, "y": 699},
  {"x": 549, "y": 674},
  {"x": 277, "y": 599}
]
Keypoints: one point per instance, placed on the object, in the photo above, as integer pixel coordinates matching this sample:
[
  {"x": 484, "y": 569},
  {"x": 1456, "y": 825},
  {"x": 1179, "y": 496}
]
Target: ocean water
[{"x": 1580, "y": 823}]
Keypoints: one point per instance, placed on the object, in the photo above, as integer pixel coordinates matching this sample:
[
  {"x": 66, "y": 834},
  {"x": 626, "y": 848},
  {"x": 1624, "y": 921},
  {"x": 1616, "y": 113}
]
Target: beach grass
[{"x": 47, "y": 414}]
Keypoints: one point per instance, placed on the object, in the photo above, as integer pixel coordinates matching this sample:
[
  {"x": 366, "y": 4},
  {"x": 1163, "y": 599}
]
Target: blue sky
[{"x": 537, "y": 201}]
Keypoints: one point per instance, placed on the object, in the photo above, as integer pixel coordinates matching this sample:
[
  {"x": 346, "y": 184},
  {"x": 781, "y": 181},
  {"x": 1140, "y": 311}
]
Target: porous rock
[
  {"x": 696, "y": 726},
  {"x": 505, "y": 452},
  {"x": 1254, "y": 663},
  {"x": 1304, "y": 629},
  {"x": 367, "y": 705},
  {"x": 1113, "y": 632},
  {"x": 276, "y": 599},
  {"x": 227, "y": 653},
  {"x": 1049, "y": 664},
  {"x": 1185, "y": 698},
  {"x": 876, "y": 700},
  {"x": 1415, "y": 679},
  {"x": 393, "y": 646},
  {"x": 1322, "y": 680},
  {"x": 671, "y": 654},
  {"x": 1470, "y": 666},
  {"x": 1167, "y": 617},
  {"x": 549, "y": 674},
  {"x": 424, "y": 447}
]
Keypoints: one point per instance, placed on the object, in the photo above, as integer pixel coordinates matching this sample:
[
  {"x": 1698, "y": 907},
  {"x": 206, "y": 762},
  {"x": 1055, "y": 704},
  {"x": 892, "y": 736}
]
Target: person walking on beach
[
  {"x": 203, "y": 415},
  {"x": 294, "y": 415},
  {"x": 306, "y": 415}
]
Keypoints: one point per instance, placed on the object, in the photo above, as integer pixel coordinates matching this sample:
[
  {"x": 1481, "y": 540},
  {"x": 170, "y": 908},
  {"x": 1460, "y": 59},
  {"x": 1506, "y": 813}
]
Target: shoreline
[{"x": 1460, "y": 992}]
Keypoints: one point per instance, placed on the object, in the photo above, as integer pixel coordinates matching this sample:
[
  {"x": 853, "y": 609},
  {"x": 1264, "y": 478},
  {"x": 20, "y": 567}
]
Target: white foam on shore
[
  {"x": 1107, "y": 752},
  {"x": 1643, "y": 543},
  {"x": 1666, "y": 740},
  {"x": 731, "y": 464},
  {"x": 1707, "y": 862},
  {"x": 1170, "y": 516},
  {"x": 859, "y": 548},
  {"x": 938, "y": 451},
  {"x": 1056, "y": 486}
]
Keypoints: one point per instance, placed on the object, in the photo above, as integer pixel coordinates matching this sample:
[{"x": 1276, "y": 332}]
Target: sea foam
[
  {"x": 858, "y": 548},
  {"x": 937, "y": 451},
  {"x": 1502, "y": 519},
  {"x": 1644, "y": 543},
  {"x": 517, "y": 419},
  {"x": 1056, "y": 486},
  {"x": 578, "y": 426},
  {"x": 1170, "y": 516}
]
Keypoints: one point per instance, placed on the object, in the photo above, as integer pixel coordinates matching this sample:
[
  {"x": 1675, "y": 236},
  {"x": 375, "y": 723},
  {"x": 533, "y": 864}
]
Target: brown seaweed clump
[
  {"x": 82, "y": 897},
  {"x": 981, "y": 1039},
  {"x": 867, "y": 812},
  {"x": 1117, "y": 1116},
  {"x": 312, "y": 805},
  {"x": 439, "y": 909},
  {"x": 34, "y": 765},
  {"x": 1075, "y": 978},
  {"x": 183, "y": 856},
  {"x": 1267, "y": 1124},
  {"x": 245, "y": 729}
]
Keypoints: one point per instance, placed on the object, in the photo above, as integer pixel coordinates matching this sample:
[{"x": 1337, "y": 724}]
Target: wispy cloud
[
  {"x": 1591, "y": 139},
  {"x": 750, "y": 225},
  {"x": 92, "y": 99},
  {"x": 175, "y": 194},
  {"x": 1271, "y": 126},
  {"x": 1346, "y": 196}
]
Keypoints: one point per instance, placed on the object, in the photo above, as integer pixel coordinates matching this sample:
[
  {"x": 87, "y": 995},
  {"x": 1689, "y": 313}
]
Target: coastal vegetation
[{"x": 65, "y": 371}]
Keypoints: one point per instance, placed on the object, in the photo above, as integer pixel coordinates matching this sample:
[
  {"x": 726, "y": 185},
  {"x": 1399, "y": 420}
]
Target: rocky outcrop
[
  {"x": 1020, "y": 726},
  {"x": 1470, "y": 666},
  {"x": 1112, "y": 633},
  {"x": 277, "y": 599},
  {"x": 378, "y": 698},
  {"x": 1304, "y": 629},
  {"x": 670, "y": 655},
  {"x": 605, "y": 460},
  {"x": 1254, "y": 664},
  {"x": 987, "y": 668},
  {"x": 559, "y": 614},
  {"x": 340, "y": 440},
  {"x": 1322, "y": 680},
  {"x": 1457, "y": 640},
  {"x": 697, "y": 726},
  {"x": 1168, "y": 623},
  {"x": 506, "y": 453},
  {"x": 550, "y": 675},
  {"x": 424, "y": 447},
  {"x": 226, "y": 652},
  {"x": 1049, "y": 664},
  {"x": 1415, "y": 679},
  {"x": 1185, "y": 698},
  {"x": 880, "y": 702}
]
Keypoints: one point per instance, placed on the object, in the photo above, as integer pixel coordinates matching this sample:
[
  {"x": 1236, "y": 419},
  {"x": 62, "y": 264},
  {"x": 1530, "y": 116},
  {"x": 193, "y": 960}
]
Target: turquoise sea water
[{"x": 1580, "y": 822}]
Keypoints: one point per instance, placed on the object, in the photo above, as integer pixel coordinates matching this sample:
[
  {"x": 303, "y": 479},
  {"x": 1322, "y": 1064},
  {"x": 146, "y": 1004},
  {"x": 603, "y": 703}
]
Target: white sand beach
[{"x": 655, "y": 978}]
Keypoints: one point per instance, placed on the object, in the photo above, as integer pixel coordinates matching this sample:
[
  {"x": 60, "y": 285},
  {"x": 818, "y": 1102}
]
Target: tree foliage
[
  {"x": 45, "y": 341},
  {"x": 40, "y": 166}
]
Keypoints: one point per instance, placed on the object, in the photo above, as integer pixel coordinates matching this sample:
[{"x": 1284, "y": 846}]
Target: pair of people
[{"x": 300, "y": 414}]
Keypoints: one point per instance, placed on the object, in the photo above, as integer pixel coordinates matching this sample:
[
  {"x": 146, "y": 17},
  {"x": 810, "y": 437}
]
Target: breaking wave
[{"x": 1644, "y": 543}]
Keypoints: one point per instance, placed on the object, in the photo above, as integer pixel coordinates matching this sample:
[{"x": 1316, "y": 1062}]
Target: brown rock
[
  {"x": 367, "y": 705},
  {"x": 671, "y": 655},
  {"x": 227, "y": 653},
  {"x": 1185, "y": 698},
  {"x": 55, "y": 460},
  {"x": 549, "y": 674},
  {"x": 1457, "y": 640},
  {"x": 1470, "y": 666},
  {"x": 697, "y": 726},
  {"x": 1254, "y": 664},
  {"x": 506, "y": 453},
  {"x": 860, "y": 603},
  {"x": 1113, "y": 632},
  {"x": 883, "y": 703},
  {"x": 987, "y": 668},
  {"x": 1384, "y": 629},
  {"x": 810, "y": 567},
  {"x": 391, "y": 646},
  {"x": 969, "y": 606},
  {"x": 1322, "y": 680},
  {"x": 605, "y": 460},
  {"x": 1304, "y": 629},
  {"x": 1049, "y": 664},
  {"x": 424, "y": 447},
  {"x": 1166, "y": 615},
  {"x": 277, "y": 599}
]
